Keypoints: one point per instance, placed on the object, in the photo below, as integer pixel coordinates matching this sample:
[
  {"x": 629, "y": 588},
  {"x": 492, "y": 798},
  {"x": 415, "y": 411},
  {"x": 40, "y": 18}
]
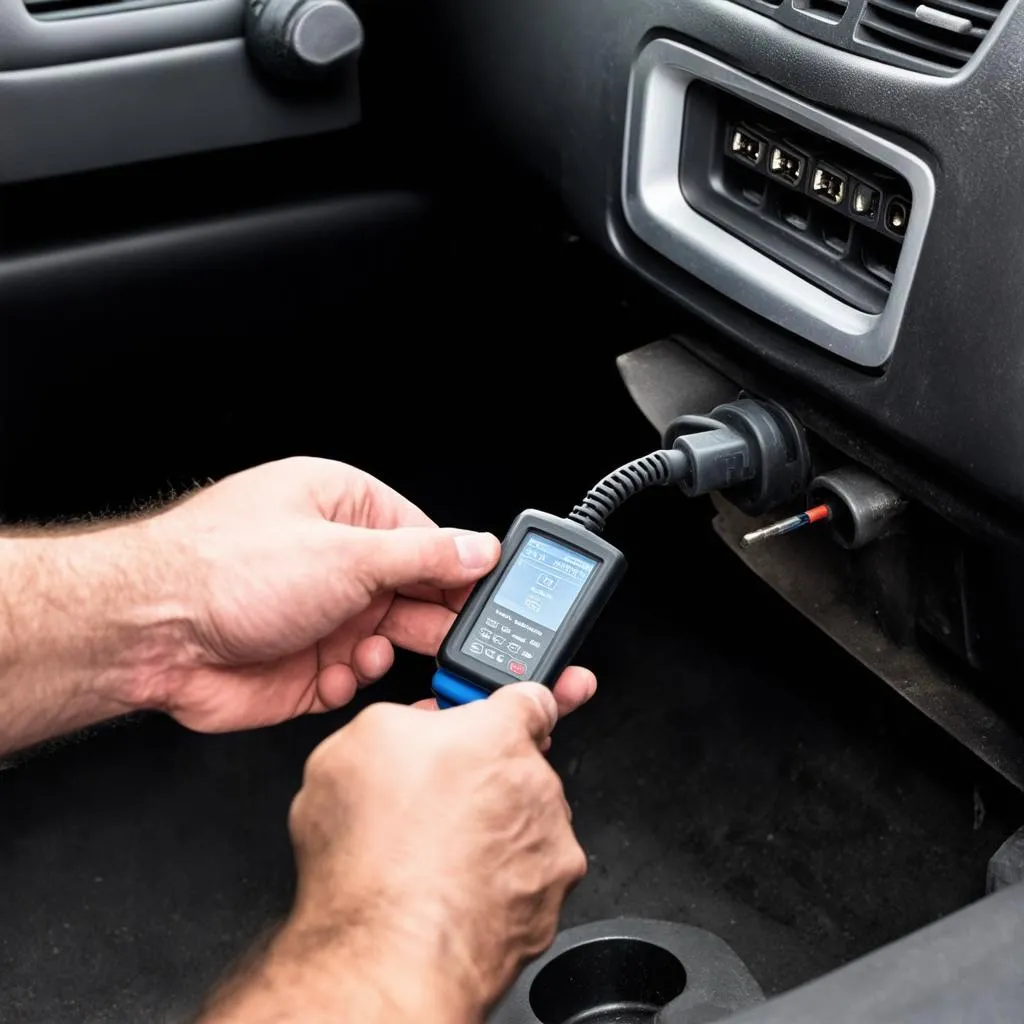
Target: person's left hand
[{"x": 297, "y": 579}]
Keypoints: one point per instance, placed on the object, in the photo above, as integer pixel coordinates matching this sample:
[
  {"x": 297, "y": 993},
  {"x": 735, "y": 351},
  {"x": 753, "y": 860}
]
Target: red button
[{"x": 516, "y": 668}]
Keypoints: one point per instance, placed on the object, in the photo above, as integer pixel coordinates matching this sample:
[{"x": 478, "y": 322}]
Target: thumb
[
  {"x": 388, "y": 559},
  {"x": 528, "y": 706}
]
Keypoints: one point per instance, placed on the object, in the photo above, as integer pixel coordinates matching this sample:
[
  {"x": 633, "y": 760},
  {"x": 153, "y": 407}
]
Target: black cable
[{"x": 653, "y": 470}]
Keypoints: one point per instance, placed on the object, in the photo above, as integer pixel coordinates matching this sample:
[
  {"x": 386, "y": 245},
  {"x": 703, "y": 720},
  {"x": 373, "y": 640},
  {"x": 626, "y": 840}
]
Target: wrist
[
  {"x": 313, "y": 972},
  {"x": 142, "y": 626},
  {"x": 100, "y": 609}
]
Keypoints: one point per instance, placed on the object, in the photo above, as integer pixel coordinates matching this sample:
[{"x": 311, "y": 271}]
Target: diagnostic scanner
[{"x": 528, "y": 616}]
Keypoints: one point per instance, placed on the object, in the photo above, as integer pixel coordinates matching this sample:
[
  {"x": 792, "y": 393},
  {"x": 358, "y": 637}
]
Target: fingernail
[{"x": 476, "y": 550}]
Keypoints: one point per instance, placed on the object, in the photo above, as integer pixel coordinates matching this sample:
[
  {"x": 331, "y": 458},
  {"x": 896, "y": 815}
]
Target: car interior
[{"x": 489, "y": 253}]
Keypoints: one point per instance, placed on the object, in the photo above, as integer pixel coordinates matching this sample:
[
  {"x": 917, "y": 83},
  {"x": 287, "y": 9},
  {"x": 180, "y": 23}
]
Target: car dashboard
[{"x": 811, "y": 204}]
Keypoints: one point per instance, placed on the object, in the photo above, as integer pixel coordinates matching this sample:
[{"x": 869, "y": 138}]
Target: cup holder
[
  {"x": 614, "y": 979},
  {"x": 630, "y": 970}
]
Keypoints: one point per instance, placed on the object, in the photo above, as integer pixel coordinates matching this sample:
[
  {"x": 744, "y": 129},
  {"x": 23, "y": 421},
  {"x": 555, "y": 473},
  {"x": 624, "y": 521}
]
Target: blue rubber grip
[{"x": 451, "y": 690}]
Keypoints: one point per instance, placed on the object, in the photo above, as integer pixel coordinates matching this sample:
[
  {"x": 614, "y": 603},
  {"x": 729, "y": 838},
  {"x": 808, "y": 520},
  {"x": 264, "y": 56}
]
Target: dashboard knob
[{"x": 302, "y": 40}]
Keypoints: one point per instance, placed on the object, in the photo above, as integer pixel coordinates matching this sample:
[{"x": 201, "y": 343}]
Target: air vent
[
  {"x": 945, "y": 33},
  {"x": 827, "y": 10},
  {"x": 57, "y": 10}
]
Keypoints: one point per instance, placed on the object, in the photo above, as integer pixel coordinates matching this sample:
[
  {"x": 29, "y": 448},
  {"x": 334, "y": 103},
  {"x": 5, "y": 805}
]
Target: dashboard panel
[{"x": 550, "y": 80}]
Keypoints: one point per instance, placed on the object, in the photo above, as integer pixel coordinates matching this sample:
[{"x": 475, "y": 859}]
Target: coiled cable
[{"x": 654, "y": 470}]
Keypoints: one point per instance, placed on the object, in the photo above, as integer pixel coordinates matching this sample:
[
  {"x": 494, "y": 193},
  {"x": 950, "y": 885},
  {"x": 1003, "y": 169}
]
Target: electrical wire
[
  {"x": 818, "y": 514},
  {"x": 653, "y": 470}
]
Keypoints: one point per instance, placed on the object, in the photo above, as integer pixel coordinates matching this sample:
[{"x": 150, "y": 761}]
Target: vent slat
[
  {"x": 914, "y": 43},
  {"x": 832, "y": 10},
  {"x": 976, "y": 12},
  {"x": 917, "y": 26},
  {"x": 946, "y": 36},
  {"x": 894, "y": 26}
]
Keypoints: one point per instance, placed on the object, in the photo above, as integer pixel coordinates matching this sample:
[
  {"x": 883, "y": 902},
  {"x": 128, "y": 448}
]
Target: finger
[
  {"x": 390, "y": 559},
  {"x": 456, "y": 598},
  {"x": 372, "y": 657},
  {"x": 336, "y": 685},
  {"x": 529, "y": 706},
  {"x": 574, "y": 688},
  {"x": 416, "y": 625},
  {"x": 427, "y": 704},
  {"x": 453, "y": 599},
  {"x": 421, "y": 592}
]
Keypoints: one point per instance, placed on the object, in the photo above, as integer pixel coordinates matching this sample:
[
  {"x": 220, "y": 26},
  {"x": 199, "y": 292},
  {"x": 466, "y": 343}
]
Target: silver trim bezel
[{"x": 658, "y": 213}]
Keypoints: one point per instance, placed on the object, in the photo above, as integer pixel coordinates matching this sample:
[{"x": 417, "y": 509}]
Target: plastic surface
[
  {"x": 630, "y": 971},
  {"x": 862, "y": 505},
  {"x": 27, "y": 42},
  {"x": 152, "y": 105},
  {"x": 450, "y": 690},
  {"x": 966, "y": 967}
]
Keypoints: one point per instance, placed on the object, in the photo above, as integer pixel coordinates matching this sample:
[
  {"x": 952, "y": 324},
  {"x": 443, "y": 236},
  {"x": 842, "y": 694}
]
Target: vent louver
[
  {"x": 829, "y": 10},
  {"x": 945, "y": 33}
]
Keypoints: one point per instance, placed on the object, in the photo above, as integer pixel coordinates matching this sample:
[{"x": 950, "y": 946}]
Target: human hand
[
  {"x": 295, "y": 580},
  {"x": 434, "y": 853}
]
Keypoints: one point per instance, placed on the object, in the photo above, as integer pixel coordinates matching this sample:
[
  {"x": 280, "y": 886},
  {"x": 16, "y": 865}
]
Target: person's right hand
[{"x": 434, "y": 853}]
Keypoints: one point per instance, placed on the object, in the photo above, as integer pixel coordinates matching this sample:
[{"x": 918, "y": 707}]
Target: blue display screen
[{"x": 544, "y": 581}]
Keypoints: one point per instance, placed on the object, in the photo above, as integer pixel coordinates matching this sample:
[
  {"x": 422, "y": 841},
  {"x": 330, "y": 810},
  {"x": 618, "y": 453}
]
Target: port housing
[
  {"x": 787, "y": 165},
  {"x": 897, "y": 216},
  {"x": 819, "y": 209},
  {"x": 744, "y": 145},
  {"x": 865, "y": 200},
  {"x": 828, "y": 184}
]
